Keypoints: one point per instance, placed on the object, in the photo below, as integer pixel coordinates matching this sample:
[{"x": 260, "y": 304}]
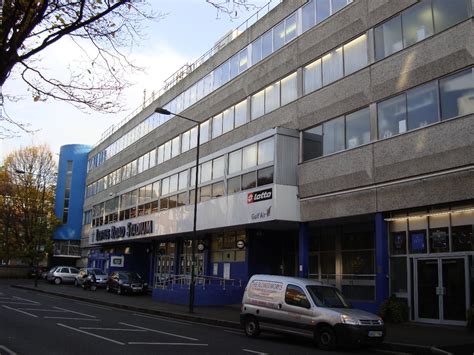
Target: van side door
[{"x": 298, "y": 307}]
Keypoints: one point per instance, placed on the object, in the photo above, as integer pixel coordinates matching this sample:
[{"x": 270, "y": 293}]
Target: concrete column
[
  {"x": 303, "y": 250},
  {"x": 381, "y": 259}
]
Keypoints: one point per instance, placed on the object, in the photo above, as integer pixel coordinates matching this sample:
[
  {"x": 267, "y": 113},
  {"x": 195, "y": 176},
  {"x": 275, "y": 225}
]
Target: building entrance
[
  {"x": 442, "y": 291},
  {"x": 164, "y": 263}
]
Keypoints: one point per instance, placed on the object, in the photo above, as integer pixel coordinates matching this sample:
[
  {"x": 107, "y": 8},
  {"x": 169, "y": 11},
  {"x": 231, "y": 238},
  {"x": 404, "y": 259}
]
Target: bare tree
[{"x": 28, "y": 218}]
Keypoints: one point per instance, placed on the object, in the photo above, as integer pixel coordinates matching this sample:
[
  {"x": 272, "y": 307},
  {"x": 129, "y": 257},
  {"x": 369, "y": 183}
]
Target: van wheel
[
  {"x": 57, "y": 281},
  {"x": 325, "y": 338},
  {"x": 251, "y": 327}
]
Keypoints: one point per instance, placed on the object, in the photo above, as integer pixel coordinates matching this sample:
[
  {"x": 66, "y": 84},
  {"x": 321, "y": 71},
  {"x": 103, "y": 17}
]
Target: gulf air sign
[{"x": 261, "y": 195}]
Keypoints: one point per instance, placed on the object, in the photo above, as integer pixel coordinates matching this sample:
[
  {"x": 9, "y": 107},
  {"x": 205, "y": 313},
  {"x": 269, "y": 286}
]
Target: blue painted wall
[{"x": 78, "y": 154}]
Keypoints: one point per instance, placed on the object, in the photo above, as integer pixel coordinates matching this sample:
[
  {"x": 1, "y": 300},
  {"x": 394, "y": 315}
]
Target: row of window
[
  {"x": 254, "y": 155},
  {"x": 426, "y": 104},
  {"x": 263, "y": 46}
]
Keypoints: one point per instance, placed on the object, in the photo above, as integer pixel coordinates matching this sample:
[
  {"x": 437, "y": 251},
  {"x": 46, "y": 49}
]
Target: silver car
[
  {"x": 100, "y": 277},
  {"x": 60, "y": 274},
  {"x": 308, "y": 307}
]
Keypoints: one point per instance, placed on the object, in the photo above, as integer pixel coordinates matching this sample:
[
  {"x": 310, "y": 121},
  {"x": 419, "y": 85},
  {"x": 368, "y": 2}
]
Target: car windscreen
[
  {"x": 133, "y": 276},
  {"x": 327, "y": 296}
]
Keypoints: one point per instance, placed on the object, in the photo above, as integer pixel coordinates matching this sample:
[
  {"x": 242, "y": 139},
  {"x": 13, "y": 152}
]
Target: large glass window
[
  {"x": 204, "y": 134},
  {"x": 388, "y": 38},
  {"x": 265, "y": 151},
  {"x": 278, "y": 36},
  {"x": 422, "y": 105},
  {"x": 185, "y": 141},
  {"x": 206, "y": 171},
  {"x": 240, "y": 113},
  {"x": 308, "y": 15},
  {"x": 313, "y": 143},
  {"x": 290, "y": 28},
  {"x": 235, "y": 161},
  {"x": 272, "y": 97},
  {"x": 355, "y": 55},
  {"x": 417, "y": 23},
  {"x": 228, "y": 120},
  {"x": 175, "y": 147},
  {"x": 338, "y": 4},
  {"x": 217, "y": 126},
  {"x": 312, "y": 79},
  {"x": 323, "y": 10},
  {"x": 256, "y": 50},
  {"x": 358, "y": 128},
  {"x": 249, "y": 180},
  {"x": 243, "y": 60},
  {"x": 249, "y": 156},
  {"x": 392, "y": 116},
  {"x": 333, "y": 135},
  {"x": 234, "y": 66},
  {"x": 267, "y": 46},
  {"x": 258, "y": 104},
  {"x": 448, "y": 13},
  {"x": 332, "y": 66},
  {"x": 289, "y": 91},
  {"x": 218, "y": 189},
  {"x": 457, "y": 94},
  {"x": 218, "y": 167},
  {"x": 183, "y": 180},
  {"x": 265, "y": 176},
  {"x": 233, "y": 185}
]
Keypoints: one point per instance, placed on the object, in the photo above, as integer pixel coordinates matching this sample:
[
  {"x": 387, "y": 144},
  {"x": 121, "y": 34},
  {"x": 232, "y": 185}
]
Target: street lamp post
[{"x": 193, "y": 245}]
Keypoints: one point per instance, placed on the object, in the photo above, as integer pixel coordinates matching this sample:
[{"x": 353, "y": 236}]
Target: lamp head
[{"x": 162, "y": 111}]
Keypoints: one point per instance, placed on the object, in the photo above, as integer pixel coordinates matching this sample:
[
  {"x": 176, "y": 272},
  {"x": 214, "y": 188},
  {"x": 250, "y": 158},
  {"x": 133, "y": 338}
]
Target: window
[
  {"x": 313, "y": 143},
  {"x": 267, "y": 46},
  {"x": 358, "y": 128},
  {"x": 355, "y": 55},
  {"x": 240, "y": 113},
  {"x": 249, "y": 155},
  {"x": 155, "y": 190},
  {"x": 418, "y": 242},
  {"x": 161, "y": 154},
  {"x": 290, "y": 28},
  {"x": 206, "y": 171},
  {"x": 398, "y": 243},
  {"x": 218, "y": 167},
  {"x": 218, "y": 189},
  {"x": 295, "y": 296},
  {"x": 233, "y": 185},
  {"x": 417, "y": 23},
  {"x": 265, "y": 151},
  {"x": 308, "y": 15},
  {"x": 205, "y": 193},
  {"x": 265, "y": 176},
  {"x": 234, "y": 66},
  {"x": 457, "y": 94},
  {"x": 323, "y": 10},
  {"x": 243, "y": 60},
  {"x": 193, "y": 141},
  {"x": 235, "y": 161},
  {"x": 249, "y": 180},
  {"x": 289, "y": 91},
  {"x": 228, "y": 120},
  {"x": 422, "y": 105},
  {"x": 165, "y": 186},
  {"x": 392, "y": 116},
  {"x": 332, "y": 66},
  {"x": 338, "y": 4},
  {"x": 182, "y": 199},
  {"x": 272, "y": 97},
  {"x": 217, "y": 126},
  {"x": 278, "y": 36},
  {"x": 448, "y": 13},
  {"x": 173, "y": 183},
  {"x": 167, "y": 150},
  {"x": 183, "y": 180},
  {"x": 256, "y": 50},
  {"x": 204, "y": 132},
  {"x": 258, "y": 104},
  {"x": 388, "y": 38},
  {"x": 185, "y": 141},
  {"x": 312, "y": 79},
  {"x": 333, "y": 135}
]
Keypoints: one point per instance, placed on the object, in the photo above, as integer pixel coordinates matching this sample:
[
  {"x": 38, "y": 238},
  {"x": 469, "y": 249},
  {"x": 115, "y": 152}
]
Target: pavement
[{"x": 412, "y": 338}]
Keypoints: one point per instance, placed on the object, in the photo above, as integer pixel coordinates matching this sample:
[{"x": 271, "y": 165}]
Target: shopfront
[{"x": 432, "y": 262}]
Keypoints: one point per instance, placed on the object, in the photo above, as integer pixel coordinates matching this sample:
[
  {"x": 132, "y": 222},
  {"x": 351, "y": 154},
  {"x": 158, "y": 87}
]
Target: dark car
[
  {"x": 126, "y": 282},
  {"x": 100, "y": 277}
]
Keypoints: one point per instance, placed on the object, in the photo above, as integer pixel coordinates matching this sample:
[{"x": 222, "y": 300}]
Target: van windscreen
[{"x": 326, "y": 296}]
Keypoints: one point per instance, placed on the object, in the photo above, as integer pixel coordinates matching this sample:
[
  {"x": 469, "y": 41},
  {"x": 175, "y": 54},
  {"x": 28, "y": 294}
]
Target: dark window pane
[
  {"x": 295, "y": 296},
  {"x": 233, "y": 185},
  {"x": 422, "y": 104},
  {"x": 457, "y": 94},
  {"x": 265, "y": 176},
  {"x": 439, "y": 240},
  {"x": 418, "y": 242},
  {"x": 323, "y": 9},
  {"x": 249, "y": 180},
  {"x": 398, "y": 275},
  {"x": 173, "y": 201},
  {"x": 218, "y": 189},
  {"x": 398, "y": 243},
  {"x": 448, "y": 13},
  {"x": 462, "y": 238},
  {"x": 164, "y": 204},
  {"x": 309, "y": 15},
  {"x": 358, "y": 262},
  {"x": 417, "y": 23},
  {"x": 338, "y": 4},
  {"x": 388, "y": 38},
  {"x": 192, "y": 197},
  {"x": 313, "y": 143},
  {"x": 182, "y": 199},
  {"x": 333, "y": 136},
  {"x": 205, "y": 193},
  {"x": 358, "y": 128},
  {"x": 278, "y": 36},
  {"x": 392, "y": 116}
]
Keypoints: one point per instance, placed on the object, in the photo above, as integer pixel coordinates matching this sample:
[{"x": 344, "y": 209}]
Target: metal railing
[
  {"x": 184, "y": 280},
  {"x": 188, "y": 68},
  {"x": 67, "y": 249}
]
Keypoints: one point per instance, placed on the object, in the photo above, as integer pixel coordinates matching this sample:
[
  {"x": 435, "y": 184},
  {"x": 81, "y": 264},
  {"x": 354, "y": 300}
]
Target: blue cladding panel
[
  {"x": 303, "y": 250},
  {"x": 77, "y": 153}
]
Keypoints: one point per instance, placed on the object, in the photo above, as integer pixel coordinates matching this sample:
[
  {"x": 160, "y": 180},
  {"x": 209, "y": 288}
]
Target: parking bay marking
[
  {"x": 171, "y": 344},
  {"x": 17, "y": 310},
  {"x": 254, "y": 352},
  {"x": 25, "y": 299},
  {"x": 91, "y": 334},
  {"x": 161, "y": 318},
  {"x": 160, "y": 332},
  {"x": 82, "y": 314},
  {"x": 8, "y": 351},
  {"x": 113, "y": 329},
  {"x": 71, "y": 318}
]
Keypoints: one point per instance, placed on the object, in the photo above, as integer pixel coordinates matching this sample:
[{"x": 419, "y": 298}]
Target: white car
[{"x": 60, "y": 274}]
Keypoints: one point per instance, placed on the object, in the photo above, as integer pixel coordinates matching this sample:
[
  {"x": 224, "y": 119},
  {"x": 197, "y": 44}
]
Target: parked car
[
  {"x": 321, "y": 310},
  {"x": 100, "y": 277},
  {"x": 126, "y": 282},
  {"x": 61, "y": 274}
]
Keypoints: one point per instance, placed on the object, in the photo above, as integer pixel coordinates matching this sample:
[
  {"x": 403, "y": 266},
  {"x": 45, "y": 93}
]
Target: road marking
[
  {"x": 172, "y": 344},
  {"x": 67, "y": 310},
  {"x": 16, "y": 310},
  {"x": 41, "y": 310},
  {"x": 71, "y": 318},
  {"x": 114, "y": 329},
  {"x": 91, "y": 334},
  {"x": 92, "y": 305},
  {"x": 23, "y": 303},
  {"x": 24, "y": 299},
  {"x": 161, "y": 318},
  {"x": 9, "y": 352},
  {"x": 254, "y": 352},
  {"x": 160, "y": 332}
]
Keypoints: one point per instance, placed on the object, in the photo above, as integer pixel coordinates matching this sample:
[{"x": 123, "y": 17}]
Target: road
[{"x": 34, "y": 323}]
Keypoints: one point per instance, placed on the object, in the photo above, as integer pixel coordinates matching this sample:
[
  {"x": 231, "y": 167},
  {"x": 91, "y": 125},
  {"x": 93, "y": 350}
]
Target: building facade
[
  {"x": 336, "y": 143},
  {"x": 69, "y": 201}
]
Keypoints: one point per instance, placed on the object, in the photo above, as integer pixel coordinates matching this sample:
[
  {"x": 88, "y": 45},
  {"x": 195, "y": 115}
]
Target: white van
[{"x": 314, "y": 308}]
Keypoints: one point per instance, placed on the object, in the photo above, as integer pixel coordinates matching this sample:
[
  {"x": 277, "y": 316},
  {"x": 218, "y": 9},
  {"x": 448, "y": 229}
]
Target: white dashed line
[
  {"x": 171, "y": 344},
  {"x": 161, "y": 318},
  {"x": 71, "y": 318},
  {"x": 254, "y": 352},
  {"x": 91, "y": 334},
  {"x": 82, "y": 314},
  {"x": 160, "y": 332},
  {"x": 16, "y": 310},
  {"x": 8, "y": 351},
  {"x": 113, "y": 329},
  {"x": 24, "y": 299}
]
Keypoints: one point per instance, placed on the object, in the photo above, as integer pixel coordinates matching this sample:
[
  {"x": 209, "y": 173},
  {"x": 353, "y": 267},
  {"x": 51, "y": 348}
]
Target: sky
[{"x": 189, "y": 29}]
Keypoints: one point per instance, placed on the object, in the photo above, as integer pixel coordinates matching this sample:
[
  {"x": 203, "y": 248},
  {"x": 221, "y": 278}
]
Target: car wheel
[
  {"x": 57, "y": 281},
  {"x": 325, "y": 338},
  {"x": 251, "y": 327},
  {"x": 119, "y": 290}
]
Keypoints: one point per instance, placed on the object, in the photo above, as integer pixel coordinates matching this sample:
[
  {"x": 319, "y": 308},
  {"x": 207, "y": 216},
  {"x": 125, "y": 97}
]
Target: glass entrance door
[{"x": 441, "y": 290}]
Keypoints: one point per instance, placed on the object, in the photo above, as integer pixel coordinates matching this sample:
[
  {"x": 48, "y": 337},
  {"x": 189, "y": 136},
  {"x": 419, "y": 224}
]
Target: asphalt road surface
[{"x": 34, "y": 323}]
